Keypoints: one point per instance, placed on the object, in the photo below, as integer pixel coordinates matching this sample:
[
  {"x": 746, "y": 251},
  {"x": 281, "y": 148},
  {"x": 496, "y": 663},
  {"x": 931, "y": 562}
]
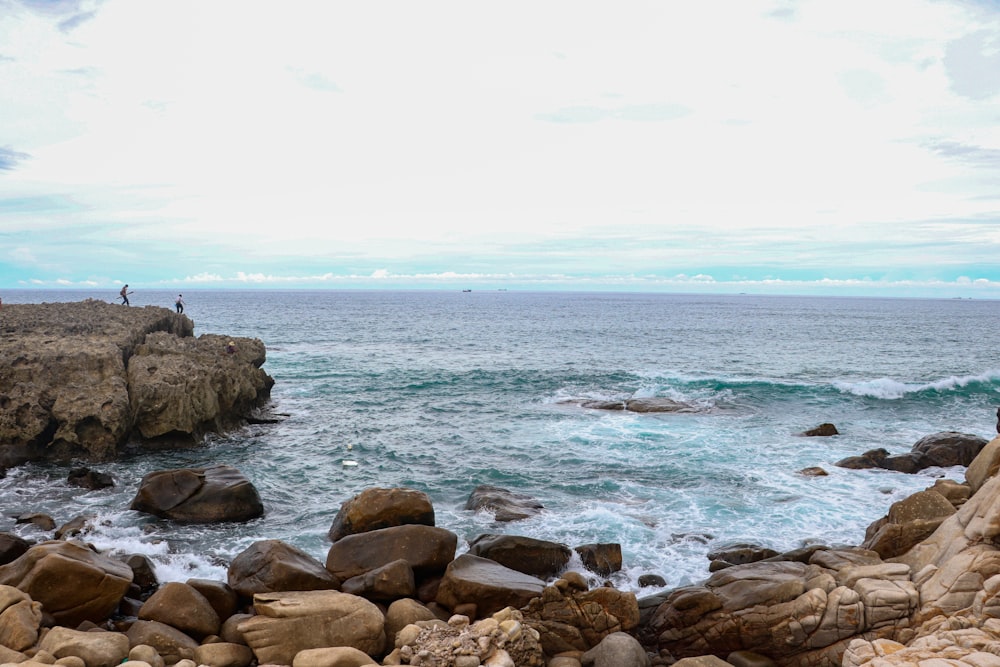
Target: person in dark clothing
[{"x": 124, "y": 295}]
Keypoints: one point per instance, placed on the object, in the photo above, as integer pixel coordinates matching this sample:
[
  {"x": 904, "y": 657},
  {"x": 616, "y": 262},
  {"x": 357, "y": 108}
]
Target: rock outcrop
[
  {"x": 82, "y": 380},
  {"x": 944, "y": 449}
]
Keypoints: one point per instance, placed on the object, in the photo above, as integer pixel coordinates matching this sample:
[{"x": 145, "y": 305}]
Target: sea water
[{"x": 442, "y": 391}]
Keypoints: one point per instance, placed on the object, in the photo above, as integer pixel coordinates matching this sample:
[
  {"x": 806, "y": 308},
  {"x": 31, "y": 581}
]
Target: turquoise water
[{"x": 442, "y": 391}]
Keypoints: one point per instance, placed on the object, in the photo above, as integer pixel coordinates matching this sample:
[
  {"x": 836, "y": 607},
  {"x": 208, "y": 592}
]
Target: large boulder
[
  {"x": 795, "y": 613},
  {"x": 539, "y": 558},
  {"x": 486, "y": 584},
  {"x": 909, "y": 521},
  {"x": 184, "y": 387},
  {"x": 199, "y": 495},
  {"x": 505, "y": 505},
  {"x": 377, "y": 508},
  {"x": 267, "y": 566},
  {"x": 96, "y": 649},
  {"x": 20, "y": 619},
  {"x": 182, "y": 607},
  {"x": 427, "y": 550},
  {"x": 289, "y": 622},
  {"x": 72, "y": 582}
]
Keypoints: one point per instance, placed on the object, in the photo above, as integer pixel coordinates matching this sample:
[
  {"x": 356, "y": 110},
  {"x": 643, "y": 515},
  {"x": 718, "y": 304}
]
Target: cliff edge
[{"x": 85, "y": 379}]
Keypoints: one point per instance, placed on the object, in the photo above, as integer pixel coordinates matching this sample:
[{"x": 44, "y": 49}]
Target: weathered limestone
[{"x": 68, "y": 388}]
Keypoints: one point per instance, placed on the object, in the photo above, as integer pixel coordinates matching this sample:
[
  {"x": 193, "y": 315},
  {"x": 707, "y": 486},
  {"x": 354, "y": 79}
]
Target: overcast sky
[{"x": 821, "y": 146}]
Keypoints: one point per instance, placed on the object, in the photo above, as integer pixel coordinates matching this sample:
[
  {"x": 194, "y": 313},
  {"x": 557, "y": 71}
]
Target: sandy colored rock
[
  {"x": 377, "y": 508},
  {"x": 97, "y": 649},
  {"x": 181, "y": 606},
  {"x": 289, "y": 622},
  {"x": 72, "y": 583},
  {"x": 340, "y": 656}
]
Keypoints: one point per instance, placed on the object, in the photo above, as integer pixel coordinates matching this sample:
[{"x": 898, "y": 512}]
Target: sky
[{"x": 813, "y": 147}]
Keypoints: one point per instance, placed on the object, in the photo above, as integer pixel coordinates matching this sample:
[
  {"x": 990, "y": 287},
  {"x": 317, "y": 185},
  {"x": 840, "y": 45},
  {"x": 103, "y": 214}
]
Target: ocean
[{"x": 441, "y": 391}]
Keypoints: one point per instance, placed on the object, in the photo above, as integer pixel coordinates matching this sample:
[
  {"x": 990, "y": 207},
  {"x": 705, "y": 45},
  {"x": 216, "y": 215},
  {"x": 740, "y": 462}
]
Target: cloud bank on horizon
[{"x": 822, "y": 146}]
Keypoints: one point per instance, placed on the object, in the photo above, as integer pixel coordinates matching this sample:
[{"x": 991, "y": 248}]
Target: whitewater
[{"x": 441, "y": 391}]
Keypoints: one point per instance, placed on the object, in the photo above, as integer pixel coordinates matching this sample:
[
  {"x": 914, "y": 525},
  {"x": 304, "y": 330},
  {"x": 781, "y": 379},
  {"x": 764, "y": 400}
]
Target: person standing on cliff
[
  {"x": 180, "y": 303},
  {"x": 124, "y": 295}
]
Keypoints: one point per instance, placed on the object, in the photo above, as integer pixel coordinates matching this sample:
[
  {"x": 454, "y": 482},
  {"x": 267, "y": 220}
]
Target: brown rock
[
  {"x": 427, "y": 549},
  {"x": 96, "y": 649},
  {"x": 181, "y": 606},
  {"x": 339, "y": 656},
  {"x": 569, "y": 619},
  {"x": 377, "y": 508},
  {"x": 505, "y": 505},
  {"x": 539, "y": 558},
  {"x": 402, "y": 613},
  {"x": 487, "y": 584},
  {"x": 72, "y": 583},
  {"x": 286, "y": 623},
  {"x": 199, "y": 495},
  {"x": 267, "y": 566},
  {"x": 20, "y": 619},
  {"x": 12, "y": 547},
  {"x": 172, "y": 644},
  {"x": 392, "y": 581},
  {"x": 603, "y": 559},
  {"x": 222, "y": 654},
  {"x": 823, "y": 430},
  {"x": 219, "y": 594}
]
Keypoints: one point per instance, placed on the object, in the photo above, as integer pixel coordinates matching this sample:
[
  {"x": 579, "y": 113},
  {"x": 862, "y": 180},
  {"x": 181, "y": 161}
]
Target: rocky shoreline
[
  {"x": 88, "y": 380},
  {"x": 92, "y": 380}
]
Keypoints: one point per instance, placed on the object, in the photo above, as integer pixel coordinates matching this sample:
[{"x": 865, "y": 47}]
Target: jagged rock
[
  {"x": 539, "y": 558},
  {"x": 568, "y": 617},
  {"x": 73, "y": 583},
  {"x": 505, "y": 505},
  {"x": 427, "y": 550},
  {"x": 96, "y": 649},
  {"x": 377, "y": 508},
  {"x": 267, "y": 566},
  {"x": 198, "y": 495},
  {"x": 289, "y": 622},
  {"x": 487, "y": 584},
  {"x": 65, "y": 373},
  {"x": 181, "y": 606}
]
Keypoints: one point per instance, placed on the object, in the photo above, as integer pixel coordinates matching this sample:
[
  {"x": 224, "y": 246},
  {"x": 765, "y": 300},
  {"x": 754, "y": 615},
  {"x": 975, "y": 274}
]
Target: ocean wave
[{"x": 887, "y": 388}]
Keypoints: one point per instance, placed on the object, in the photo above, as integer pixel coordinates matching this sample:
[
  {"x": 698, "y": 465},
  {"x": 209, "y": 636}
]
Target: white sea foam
[{"x": 887, "y": 388}]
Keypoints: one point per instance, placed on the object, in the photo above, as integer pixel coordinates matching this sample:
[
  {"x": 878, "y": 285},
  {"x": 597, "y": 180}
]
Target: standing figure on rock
[
  {"x": 124, "y": 295},
  {"x": 180, "y": 303}
]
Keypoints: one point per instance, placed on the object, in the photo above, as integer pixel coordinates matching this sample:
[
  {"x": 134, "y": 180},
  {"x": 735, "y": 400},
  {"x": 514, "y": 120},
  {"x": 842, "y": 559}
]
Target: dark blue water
[{"x": 442, "y": 391}]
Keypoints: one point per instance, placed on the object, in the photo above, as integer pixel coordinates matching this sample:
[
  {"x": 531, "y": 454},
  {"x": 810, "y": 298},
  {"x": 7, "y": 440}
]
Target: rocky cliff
[{"x": 85, "y": 379}]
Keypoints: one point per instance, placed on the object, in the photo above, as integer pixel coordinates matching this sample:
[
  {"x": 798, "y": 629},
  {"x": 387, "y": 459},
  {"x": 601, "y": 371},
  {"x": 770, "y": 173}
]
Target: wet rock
[
  {"x": 90, "y": 479},
  {"x": 539, "y": 558},
  {"x": 505, "y": 505},
  {"x": 377, "y": 508},
  {"x": 823, "y": 430},
  {"x": 198, "y": 495},
  {"x": 267, "y": 566}
]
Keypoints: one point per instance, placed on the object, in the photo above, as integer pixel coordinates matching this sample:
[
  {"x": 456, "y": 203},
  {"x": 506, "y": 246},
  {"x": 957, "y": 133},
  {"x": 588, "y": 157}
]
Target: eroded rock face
[
  {"x": 68, "y": 389},
  {"x": 795, "y": 613}
]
